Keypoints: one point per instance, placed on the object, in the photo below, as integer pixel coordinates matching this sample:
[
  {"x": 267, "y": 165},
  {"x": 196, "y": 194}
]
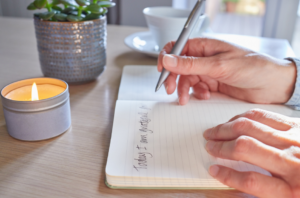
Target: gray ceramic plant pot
[{"x": 72, "y": 51}]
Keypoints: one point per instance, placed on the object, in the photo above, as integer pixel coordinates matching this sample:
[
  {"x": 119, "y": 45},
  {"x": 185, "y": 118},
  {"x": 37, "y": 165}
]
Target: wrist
[{"x": 281, "y": 80}]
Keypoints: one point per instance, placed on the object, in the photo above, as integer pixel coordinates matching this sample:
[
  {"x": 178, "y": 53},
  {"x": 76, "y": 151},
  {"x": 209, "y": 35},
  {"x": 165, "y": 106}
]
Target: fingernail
[
  {"x": 206, "y": 96},
  {"x": 213, "y": 170},
  {"x": 183, "y": 100},
  {"x": 166, "y": 87},
  {"x": 206, "y": 134},
  {"x": 170, "y": 60},
  {"x": 210, "y": 145},
  {"x": 202, "y": 95}
]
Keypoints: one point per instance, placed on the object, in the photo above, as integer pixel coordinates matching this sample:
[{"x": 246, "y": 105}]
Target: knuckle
[
  {"x": 188, "y": 64},
  {"x": 290, "y": 156},
  {"x": 241, "y": 124},
  {"x": 242, "y": 145},
  {"x": 293, "y": 150},
  {"x": 255, "y": 114},
  {"x": 289, "y": 162},
  {"x": 215, "y": 131},
  {"x": 250, "y": 182}
]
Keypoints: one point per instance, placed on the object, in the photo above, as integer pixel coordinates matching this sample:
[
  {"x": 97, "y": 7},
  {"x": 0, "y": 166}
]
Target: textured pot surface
[{"x": 72, "y": 51}]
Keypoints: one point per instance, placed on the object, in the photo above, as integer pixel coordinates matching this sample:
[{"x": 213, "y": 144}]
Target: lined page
[{"x": 160, "y": 144}]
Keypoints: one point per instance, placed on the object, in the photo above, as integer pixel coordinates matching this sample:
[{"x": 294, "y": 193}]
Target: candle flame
[{"x": 34, "y": 93}]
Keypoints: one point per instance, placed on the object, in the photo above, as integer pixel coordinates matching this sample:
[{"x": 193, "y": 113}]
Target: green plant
[{"x": 71, "y": 10}]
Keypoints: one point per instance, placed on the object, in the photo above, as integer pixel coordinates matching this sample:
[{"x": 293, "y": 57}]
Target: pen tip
[{"x": 157, "y": 87}]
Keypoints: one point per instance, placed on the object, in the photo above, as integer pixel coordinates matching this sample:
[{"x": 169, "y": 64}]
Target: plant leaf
[
  {"x": 55, "y": 2},
  {"x": 82, "y": 2},
  {"x": 73, "y": 18},
  {"x": 37, "y": 14},
  {"x": 47, "y": 15},
  {"x": 104, "y": 11},
  {"x": 31, "y": 6},
  {"x": 69, "y": 2},
  {"x": 69, "y": 10},
  {"x": 75, "y": 13},
  {"x": 40, "y": 3},
  {"x": 107, "y": 4},
  {"x": 86, "y": 12},
  {"x": 60, "y": 17},
  {"x": 92, "y": 16},
  {"x": 57, "y": 8},
  {"x": 94, "y": 8}
]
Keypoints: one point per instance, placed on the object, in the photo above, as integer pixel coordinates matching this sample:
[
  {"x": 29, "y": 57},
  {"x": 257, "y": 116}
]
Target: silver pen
[{"x": 182, "y": 39}]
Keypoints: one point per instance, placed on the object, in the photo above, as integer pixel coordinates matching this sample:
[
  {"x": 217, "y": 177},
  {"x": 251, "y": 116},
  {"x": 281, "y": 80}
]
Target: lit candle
[
  {"x": 36, "y": 108},
  {"x": 25, "y": 93}
]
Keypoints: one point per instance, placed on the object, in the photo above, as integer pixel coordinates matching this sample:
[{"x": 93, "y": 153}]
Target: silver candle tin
[{"x": 37, "y": 120}]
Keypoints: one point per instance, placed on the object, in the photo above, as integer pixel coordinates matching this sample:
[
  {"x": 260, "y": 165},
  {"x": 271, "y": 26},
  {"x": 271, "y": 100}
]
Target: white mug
[{"x": 166, "y": 24}]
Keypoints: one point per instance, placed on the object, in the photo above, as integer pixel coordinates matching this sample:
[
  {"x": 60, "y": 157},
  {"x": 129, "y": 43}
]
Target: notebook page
[
  {"x": 138, "y": 83},
  {"x": 158, "y": 144}
]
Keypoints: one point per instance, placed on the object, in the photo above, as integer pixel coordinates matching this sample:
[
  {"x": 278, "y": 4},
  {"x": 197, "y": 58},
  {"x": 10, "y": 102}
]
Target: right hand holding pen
[{"x": 210, "y": 65}]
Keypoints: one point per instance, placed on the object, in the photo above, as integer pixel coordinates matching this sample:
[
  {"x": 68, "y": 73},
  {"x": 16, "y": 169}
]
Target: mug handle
[{"x": 201, "y": 25}]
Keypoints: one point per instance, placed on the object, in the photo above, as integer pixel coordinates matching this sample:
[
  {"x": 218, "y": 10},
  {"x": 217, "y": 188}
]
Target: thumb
[{"x": 189, "y": 65}]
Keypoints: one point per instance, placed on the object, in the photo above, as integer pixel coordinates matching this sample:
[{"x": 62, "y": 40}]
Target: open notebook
[{"x": 156, "y": 143}]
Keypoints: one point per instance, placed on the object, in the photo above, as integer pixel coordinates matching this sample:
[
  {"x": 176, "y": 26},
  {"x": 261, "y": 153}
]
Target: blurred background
[{"x": 266, "y": 18}]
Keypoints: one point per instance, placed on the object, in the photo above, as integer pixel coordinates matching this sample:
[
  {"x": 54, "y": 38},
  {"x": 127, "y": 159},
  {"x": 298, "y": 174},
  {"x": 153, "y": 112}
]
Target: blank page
[{"x": 159, "y": 144}]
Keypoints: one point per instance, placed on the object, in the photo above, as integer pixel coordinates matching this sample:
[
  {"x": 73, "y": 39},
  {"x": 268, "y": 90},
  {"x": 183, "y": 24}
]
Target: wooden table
[{"x": 73, "y": 164}]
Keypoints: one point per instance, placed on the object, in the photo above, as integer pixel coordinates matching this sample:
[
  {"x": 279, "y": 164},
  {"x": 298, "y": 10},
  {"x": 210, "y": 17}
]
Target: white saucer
[{"x": 142, "y": 42}]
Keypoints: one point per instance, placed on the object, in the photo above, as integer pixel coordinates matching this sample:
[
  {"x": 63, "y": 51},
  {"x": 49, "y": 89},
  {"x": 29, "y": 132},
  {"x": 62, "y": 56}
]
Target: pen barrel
[
  {"x": 183, "y": 37},
  {"x": 188, "y": 28},
  {"x": 180, "y": 43}
]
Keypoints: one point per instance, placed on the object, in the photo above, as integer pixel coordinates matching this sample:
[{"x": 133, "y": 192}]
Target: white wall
[
  {"x": 280, "y": 19},
  {"x": 131, "y": 11},
  {"x": 16, "y": 8}
]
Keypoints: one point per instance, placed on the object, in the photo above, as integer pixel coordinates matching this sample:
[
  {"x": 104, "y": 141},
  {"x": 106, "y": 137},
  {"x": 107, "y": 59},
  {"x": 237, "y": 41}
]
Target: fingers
[
  {"x": 251, "y": 182},
  {"x": 201, "y": 91},
  {"x": 262, "y": 125},
  {"x": 274, "y": 120},
  {"x": 211, "y": 83},
  {"x": 167, "y": 49},
  {"x": 184, "y": 84},
  {"x": 189, "y": 65},
  {"x": 208, "y": 49},
  {"x": 170, "y": 83},
  {"x": 241, "y": 126},
  {"x": 244, "y": 126},
  {"x": 250, "y": 150}
]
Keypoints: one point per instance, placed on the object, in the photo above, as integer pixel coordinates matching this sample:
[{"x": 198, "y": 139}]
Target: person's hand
[
  {"x": 210, "y": 65},
  {"x": 262, "y": 138}
]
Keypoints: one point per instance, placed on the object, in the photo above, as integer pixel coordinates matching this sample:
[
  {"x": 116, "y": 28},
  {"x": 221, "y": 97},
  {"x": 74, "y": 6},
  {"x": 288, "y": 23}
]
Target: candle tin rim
[{"x": 38, "y": 105}]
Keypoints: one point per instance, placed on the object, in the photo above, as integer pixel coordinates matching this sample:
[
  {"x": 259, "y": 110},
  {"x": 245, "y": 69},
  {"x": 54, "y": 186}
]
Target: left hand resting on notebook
[{"x": 262, "y": 138}]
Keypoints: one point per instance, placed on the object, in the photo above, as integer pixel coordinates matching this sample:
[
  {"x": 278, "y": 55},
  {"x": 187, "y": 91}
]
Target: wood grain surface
[{"x": 73, "y": 164}]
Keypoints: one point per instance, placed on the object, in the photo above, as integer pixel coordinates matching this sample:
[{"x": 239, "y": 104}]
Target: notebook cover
[{"x": 164, "y": 188}]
